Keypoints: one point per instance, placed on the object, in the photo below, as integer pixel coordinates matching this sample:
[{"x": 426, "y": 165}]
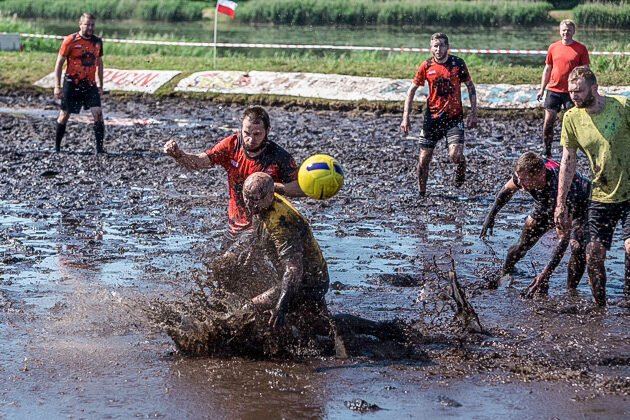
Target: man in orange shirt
[
  {"x": 444, "y": 115},
  {"x": 562, "y": 57},
  {"x": 83, "y": 81}
]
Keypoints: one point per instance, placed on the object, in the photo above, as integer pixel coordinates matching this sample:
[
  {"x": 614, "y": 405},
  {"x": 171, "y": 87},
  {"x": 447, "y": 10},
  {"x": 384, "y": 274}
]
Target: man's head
[
  {"x": 439, "y": 46},
  {"x": 254, "y": 129},
  {"x": 567, "y": 30},
  {"x": 530, "y": 171},
  {"x": 86, "y": 25},
  {"x": 258, "y": 192},
  {"x": 583, "y": 87}
]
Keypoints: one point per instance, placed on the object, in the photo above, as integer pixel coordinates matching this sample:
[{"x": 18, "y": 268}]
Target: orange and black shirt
[
  {"x": 230, "y": 154},
  {"x": 81, "y": 55},
  {"x": 445, "y": 82}
]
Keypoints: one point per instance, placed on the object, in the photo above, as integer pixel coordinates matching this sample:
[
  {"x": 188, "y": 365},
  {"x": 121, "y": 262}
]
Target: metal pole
[{"x": 216, "y": 15}]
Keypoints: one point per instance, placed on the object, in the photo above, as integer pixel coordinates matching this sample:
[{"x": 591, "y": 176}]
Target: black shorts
[
  {"x": 433, "y": 129},
  {"x": 603, "y": 218},
  {"x": 77, "y": 95},
  {"x": 558, "y": 100}
]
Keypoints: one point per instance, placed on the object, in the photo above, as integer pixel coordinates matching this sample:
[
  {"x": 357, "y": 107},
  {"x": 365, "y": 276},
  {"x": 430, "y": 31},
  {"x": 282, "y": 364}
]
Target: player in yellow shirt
[
  {"x": 599, "y": 126},
  {"x": 288, "y": 234}
]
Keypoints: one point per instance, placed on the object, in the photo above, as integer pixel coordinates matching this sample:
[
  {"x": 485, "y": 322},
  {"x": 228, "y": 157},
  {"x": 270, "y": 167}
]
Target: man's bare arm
[
  {"x": 189, "y": 161},
  {"x": 502, "y": 198},
  {"x": 290, "y": 189},
  {"x": 565, "y": 177},
  {"x": 293, "y": 270},
  {"x": 472, "y": 94},
  {"x": 546, "y": 74},
  {"x": 58, "y": 70},
  {"x": 99, "y": 74},
  {"x": 411, "y": 92}
]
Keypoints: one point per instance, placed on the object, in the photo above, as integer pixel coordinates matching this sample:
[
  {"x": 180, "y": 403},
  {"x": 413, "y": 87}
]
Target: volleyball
[{"x": 320, "y": 176}]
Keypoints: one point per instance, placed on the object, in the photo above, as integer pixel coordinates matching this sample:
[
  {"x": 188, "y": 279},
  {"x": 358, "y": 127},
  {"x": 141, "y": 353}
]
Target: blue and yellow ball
[{"x": 320, "y": 176}]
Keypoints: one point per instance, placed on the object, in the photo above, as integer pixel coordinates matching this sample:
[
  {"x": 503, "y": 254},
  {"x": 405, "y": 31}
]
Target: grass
[
  {"x": 166, "y": 10},
  {"x": 414, "y": 13},
  {"x": 603, "y": 15}
]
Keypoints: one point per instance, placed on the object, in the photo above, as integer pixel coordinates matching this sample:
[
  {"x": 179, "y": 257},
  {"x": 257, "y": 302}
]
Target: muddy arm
[
  {"x": 291, "y": 278},
  {"x": 502, "y": 198},
  {"x": 189, "y": 161},
  {"x": 565, "y": 177},
  {"x": 541, "y": 282},
  {"x": 290, "y": 189},
  {"x": 404, "y": 125}
]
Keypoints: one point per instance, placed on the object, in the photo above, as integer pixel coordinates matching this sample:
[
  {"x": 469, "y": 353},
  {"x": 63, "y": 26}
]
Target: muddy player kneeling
[
  {"x": 304, "y": 273},
  {"x": 540, "y": 177}
]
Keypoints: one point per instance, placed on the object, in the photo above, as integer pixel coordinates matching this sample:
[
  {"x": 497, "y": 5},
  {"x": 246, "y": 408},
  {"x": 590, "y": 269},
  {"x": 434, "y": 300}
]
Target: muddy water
[{"x": 86, "y": 242}]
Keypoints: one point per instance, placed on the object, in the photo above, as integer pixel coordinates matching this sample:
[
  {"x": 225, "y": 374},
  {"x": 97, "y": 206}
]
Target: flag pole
[{"x": 216, "y": 15}]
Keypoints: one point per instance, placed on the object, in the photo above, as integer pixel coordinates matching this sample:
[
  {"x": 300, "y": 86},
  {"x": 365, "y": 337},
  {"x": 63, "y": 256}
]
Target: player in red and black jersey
[
  {"x": 241, "y": 155},
  {"x": 539, "y": 177},
  {"x": 83, "y": 82},
  {"x": 444, "y": 115}
]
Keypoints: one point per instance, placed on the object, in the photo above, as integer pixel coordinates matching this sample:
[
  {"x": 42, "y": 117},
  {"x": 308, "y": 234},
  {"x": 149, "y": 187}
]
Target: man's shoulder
[
  {"x": 71, "y": 37},
  {"x": 281, "y": 212},
  {"x": 276, "y": 153},
  {"x": 456, "y": 60},
  {"x": 96, "y": 40}
]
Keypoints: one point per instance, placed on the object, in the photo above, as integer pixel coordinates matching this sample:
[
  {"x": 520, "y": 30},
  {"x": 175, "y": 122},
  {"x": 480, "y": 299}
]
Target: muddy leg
[
  {"x": 595, "y": 257},
  {"x": 60, "y": 128},
  {"x": 577, "y": 262},
  {"x": 456, "y": 152},
  {"x": 423, "y": 169},
  {"x": 550, "y": 119},
  {"x": 531, "y": 233}
]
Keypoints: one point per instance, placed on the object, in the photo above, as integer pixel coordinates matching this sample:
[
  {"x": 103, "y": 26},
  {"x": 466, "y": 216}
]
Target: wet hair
[
  {"x": 258, "y": 182},
  {"x": 439, "y": 35},
  {"x": 568, "y": 22},
  {"x": 257, "y": 114},
  {"x": 87, "y": 16},
  {"x": 583, "y": 73},
  {"x": 529, "y": 163}
]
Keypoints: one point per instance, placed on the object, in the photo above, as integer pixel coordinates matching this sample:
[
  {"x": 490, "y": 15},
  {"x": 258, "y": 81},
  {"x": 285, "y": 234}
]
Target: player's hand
[
  {"x": 471, "y": 121},
  {"x": 540, "y": 285},
  {"x": 404, "y": 125},
  {"x": 488, "y": 227},
  {"x": 172, "y": 149},
  {"x": 58, "y": 92},
  {"x": 540, "y": 94}
]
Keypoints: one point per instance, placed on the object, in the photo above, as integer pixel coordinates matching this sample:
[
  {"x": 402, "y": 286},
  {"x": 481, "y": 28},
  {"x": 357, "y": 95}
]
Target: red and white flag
[{"x": 227, "y": 7}]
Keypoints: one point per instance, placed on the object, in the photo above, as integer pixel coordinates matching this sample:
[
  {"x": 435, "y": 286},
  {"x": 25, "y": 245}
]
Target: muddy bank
[{"x": 85, "y": 240}]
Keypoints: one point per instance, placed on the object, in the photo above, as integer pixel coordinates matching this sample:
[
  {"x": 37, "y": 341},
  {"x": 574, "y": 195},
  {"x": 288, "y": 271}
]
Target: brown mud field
[{"x": 88, "y": 243}]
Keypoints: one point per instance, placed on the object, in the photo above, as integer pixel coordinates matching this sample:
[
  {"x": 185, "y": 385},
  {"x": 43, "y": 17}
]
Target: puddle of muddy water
[{"x": 74, "y": 344}]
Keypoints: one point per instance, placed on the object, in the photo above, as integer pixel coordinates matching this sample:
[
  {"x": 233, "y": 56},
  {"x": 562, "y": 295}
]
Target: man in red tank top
[
  {"x": 562, "y": 57},
  {"x": 83, "y": 81}
]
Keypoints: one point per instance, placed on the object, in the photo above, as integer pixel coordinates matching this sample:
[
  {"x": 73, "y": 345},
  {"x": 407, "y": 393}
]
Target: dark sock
[
  {"x": 99, "y": 133},
  {"x": 60, "y": 131}
]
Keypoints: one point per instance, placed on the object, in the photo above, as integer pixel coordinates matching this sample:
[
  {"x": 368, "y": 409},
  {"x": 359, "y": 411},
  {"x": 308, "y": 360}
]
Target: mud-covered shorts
[
  {"x": 433, "y": 129},
  {"x": 77, "y": 95},
  {"x": 558, "y": 100},
  {"x": 603, "y": 218}
]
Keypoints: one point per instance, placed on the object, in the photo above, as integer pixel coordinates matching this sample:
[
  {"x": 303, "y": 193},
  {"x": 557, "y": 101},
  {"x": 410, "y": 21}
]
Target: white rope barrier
[{"x": 321, "y": 47}]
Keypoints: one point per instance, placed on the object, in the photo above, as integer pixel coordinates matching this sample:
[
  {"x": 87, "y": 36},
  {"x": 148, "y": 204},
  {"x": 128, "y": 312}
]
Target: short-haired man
[
  {"x": 241, "y": 155},
  {"x": 562, "y": 57},
  {"x": 444, "y": 115},
  {"x": 600, "y": 127},
  {"x": 303, "y": 268},
  {"x": 539, "y": 177},
  {"x": 83, "y": 82}
]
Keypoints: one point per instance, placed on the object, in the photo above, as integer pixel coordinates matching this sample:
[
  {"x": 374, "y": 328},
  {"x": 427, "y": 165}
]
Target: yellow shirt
[
  {"x": 289, "y": 231},
  {"x": 605, "y": 139}
]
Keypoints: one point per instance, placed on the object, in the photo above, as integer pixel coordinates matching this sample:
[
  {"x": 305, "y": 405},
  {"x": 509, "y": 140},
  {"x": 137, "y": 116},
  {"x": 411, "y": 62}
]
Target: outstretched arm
[
  {"x": 293, "y": 270},
  {"x": 541, "y": 282},
  {"x": 502, "y": 198},
  {"x": 565, "y": 177},
  {"x": 290, "y": 189},
  {"x": 189, "y": 161},
  {"x": 472, "y": 94},
  {"x": 404, "y": 125}
]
